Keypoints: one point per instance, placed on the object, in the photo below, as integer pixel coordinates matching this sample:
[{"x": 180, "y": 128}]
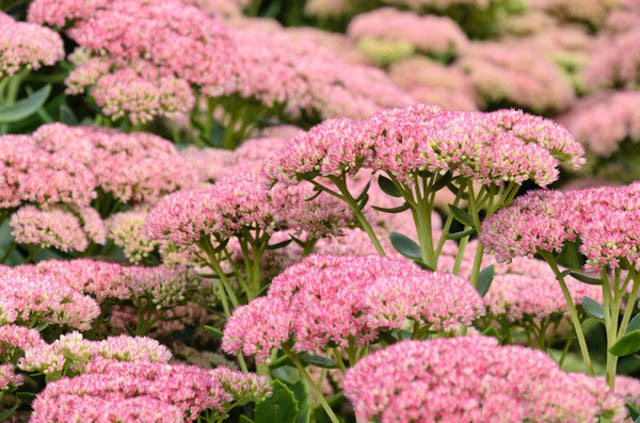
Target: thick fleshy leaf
[
  {"x": 280, "y": 407},
  {"x": 320, "y": 361},
  {"x": 593, "y": 308},
  {"x": 485, "y": 278},
  {"x": 387, "y": 186},
  {"x": 461, "y": 216},
  {"x": 405, "y": 246},
  {"x": 288, "y": 374},
  {"x": 627, "y": 344},
  {"x": 25, "y": 107}
]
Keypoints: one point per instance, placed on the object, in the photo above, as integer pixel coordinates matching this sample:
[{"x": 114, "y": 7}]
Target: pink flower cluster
[
  {"x": 25, "y": 45},
  {"x": 603, "y": 220},
  {"x": 161, "y": 286},
  {"x": 523, "y": 288},
  {"x": 173, "y": 37},
  {"x": 593, "y": 12},
  {"x": 518, "y": 76},
  {"x": 124, "y": 229},
  {"x": 506, "y": 145},
  {"x": 144, "y": 391},
  {"x": 628, "y": 388},
  {"x": 333, "y": 299},
  {"x": 440, "y": 4},
  {"x": 153, "y": 165},
  {"x": 282, "y": 69},
  {"x": 8, "y": 378},
  {"x": 14, "y": 338},
  {"x": 74, "y": 352},
  {"x": 241, "y": 202},
  {"x": 428, "y": 34},
  {"x": 57, "y": 226},
  {"x": 472, "y": 379},
  {"x": 430, "y": 82},
  {"x": 139, "y": 91},
  {"x": 31, "y": 299},
  {"x": 618, "y": 64},
  {"x": 602, "y": 120}
]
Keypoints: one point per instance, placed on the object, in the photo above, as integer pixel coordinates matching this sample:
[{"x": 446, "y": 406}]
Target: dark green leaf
[
  {"x": 314, "y": 196},
  {"x": 288, "y": 374},
  {"x": 423, "y": 265},
  {"x": 279, "y": 244},
  {"x": 388, "y": 187},
  {"x": 461, "y": 234},
  {"x": 67, "y": 116},
  {"x": 302, "y": 396},
  {"x": 280, "y": 407},
  {"x": 442, "y": 182},
  {"x": 7, "y": 413},
  {"x": 363, "y": 201},
  {"x": 634, "y": 324},
  {"x": 364, "y": 192},
  {"x": 633, "y": 411},
  {"x": 319, "y": 361},
  {"x": 42, "y": 326},
  {"x": 585, "y": 279},
  {"x": 570, "y": 256},
  {"x": 245, "y": 419},
  {"x": 593, "y": 308},
  {"x": 398, "y": 209},
  {"x": 484, "y": 280},
  {"x": 491, "y": 331},
  {"x": 405, "y": 246},
  {"x": 461, "y": 215},
  {"x": 25, "y": 107},
  {"x": 217, "y": 333},
  {"x": 627, "y": 344}
]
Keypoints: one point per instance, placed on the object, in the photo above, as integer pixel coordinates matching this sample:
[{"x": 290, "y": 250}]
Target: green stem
[
  {"x": 573, "y": 313},
  {"x": 316, "y": 390},
  {"x": 611, "y": 322},
  {"x": 348, "y": 198},
  {"x": 460, "y": 255},
  {"x": 308, "y": 246},
  {"x": 477, "y": 263},
  {"x": 339, "y": 361},
  {"x": 32, "y": 255}
]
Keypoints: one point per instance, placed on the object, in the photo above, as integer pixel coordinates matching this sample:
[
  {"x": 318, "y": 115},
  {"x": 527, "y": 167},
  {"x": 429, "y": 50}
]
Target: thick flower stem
[
  {"x": 353, "y": 205},
  {"x": 573, "y": 313},
  {"x": 313, "y": 386}
]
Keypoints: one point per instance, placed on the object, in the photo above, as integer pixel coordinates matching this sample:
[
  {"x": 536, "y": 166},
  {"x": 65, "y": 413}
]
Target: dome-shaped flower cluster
[
  {"x": 26, "y": 45},
  {"x": 472, "y": 379},
  {"x": 146, "y": 391},
  {"x": 603, "y": 221},
  {"x": 338, "y": 300}
]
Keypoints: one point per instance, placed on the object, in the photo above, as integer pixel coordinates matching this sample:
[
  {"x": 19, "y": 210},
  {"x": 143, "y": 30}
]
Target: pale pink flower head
[
  {"x": 517, "y": 76},
  {"x": 628, "y": 388},
  {"x": 592, "y": 12},
  {"x": 137, "y": 91},
  {"x": 602, "y": 220},
  {"x": 177, "y": 39},
  {"x": 439, "y": 36},
  {"x": 153, "y": 164},
  {"x": 28, "y": 298},
  {"x": 603, "y": 120},
  {"x": 8, "y": 378},
  {"x": 125, "y": 229},
  {"x": 329, "y": 300},
  {"x": 618, "y": 64},
  {"x": 473, "y": 379},
  {"x": 16, "y": 339},
  {"x": 57, "y": 227},
  {"x": 182, "y": 391},
  {"x": 27, "y": 46}
]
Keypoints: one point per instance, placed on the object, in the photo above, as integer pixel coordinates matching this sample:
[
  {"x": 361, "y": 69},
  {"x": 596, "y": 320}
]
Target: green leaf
[
  {"x": 217, "y": 333},
  {"x": 398, "y": 209},
  {"x": 25, "y": 107},
  {"x": 442, "y": 182},
  {"x": 314, "y": 196},
  {"x": 405, "y": 246},
  {"x": 485, "y": 278},
  {"x": 585, "y": 279},
  {"x": 279, "y": 244},
  {"x": 593, "y": 308},
  {"x": 280, "y": 407},
  {"x": 245, "y": 419},
  {"x": 364, "y": 192},
  {"x": 41, "y": 326},
  {"x": 634, "y": 324},
  {"x": 7, "y": 413},
  {"x": 461, "y": 216},
  {"x": 319, "y": 361},
  {"x": 461, "y": 234},
  {"x": 288, "y": 374},
  {"x": 491, "y": 331},
  {"x": 304, "y": 404},
  {"x": 570, "y": 256},
  {"x": 633, "y": 411},
  {"x": 363, "y": 201},
  {"x": 388, "y": 187},
  {"x": 67, "y": 116},
  {"x": 627, "y": 344}
]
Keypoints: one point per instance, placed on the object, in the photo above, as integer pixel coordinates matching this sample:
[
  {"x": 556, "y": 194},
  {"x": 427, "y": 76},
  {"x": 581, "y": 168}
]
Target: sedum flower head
[{"x": 473, "y": 379}]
